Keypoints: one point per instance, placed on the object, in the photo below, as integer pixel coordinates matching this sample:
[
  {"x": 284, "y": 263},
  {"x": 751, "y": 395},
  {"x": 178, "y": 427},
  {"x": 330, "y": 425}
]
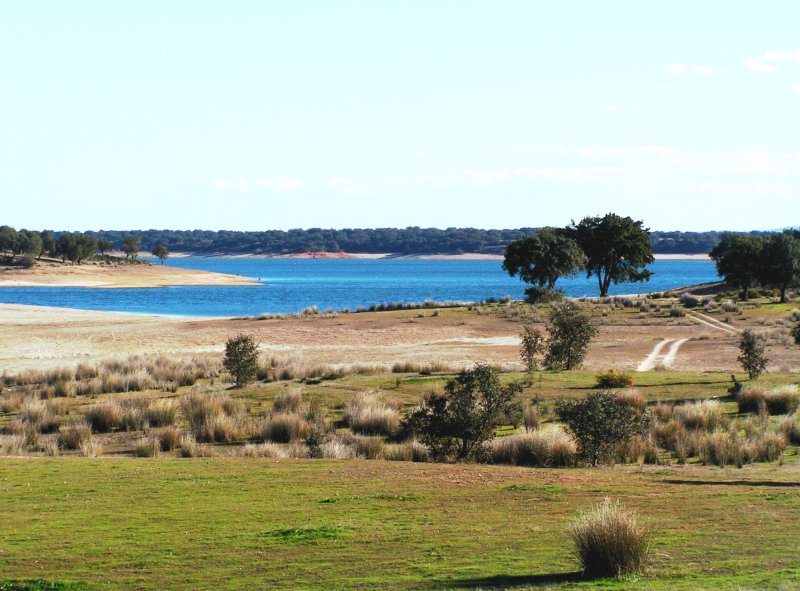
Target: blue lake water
[{"x": 290, "y": 285}]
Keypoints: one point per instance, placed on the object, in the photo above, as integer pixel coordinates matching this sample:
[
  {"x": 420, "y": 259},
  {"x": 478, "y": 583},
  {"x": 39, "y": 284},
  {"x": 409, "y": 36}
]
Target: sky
[{"x": 264, "y": 115}]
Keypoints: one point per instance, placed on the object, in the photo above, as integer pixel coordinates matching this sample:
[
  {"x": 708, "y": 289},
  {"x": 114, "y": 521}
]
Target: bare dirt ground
[
  {"x": 38, "y": 337},
  {"x": 111, "y": 276}
]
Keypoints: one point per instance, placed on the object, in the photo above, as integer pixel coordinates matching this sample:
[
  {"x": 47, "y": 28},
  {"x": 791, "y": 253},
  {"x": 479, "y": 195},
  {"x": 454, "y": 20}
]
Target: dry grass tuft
[
  {"x": 610, "y": 541},
  {"x": 367, "y": 413},
  {"x": 544, "y": 447}
]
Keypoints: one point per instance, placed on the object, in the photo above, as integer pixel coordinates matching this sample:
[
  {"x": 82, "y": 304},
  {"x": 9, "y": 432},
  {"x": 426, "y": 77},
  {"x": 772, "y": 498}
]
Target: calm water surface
[{"x": 289, "y": 285}]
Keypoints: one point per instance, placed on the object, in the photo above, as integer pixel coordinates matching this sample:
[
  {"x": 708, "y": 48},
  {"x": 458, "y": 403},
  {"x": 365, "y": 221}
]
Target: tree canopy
[
  {"x": 617, "y": 249},
  {"x": 542, "y": 258},
  {"x": 738, "y": 260}
]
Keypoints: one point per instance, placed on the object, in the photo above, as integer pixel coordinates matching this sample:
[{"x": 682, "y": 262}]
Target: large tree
[
  {"x": 780, "y": 261},
  {"x": 571, "y": 330},
  {"x": 161, "y": 253},
  {"x": 617, "y": 249},
  {"x": 738, "y": 258},
  {"x": 542, "y": 258},
  {"x": 75, "y": 247}
]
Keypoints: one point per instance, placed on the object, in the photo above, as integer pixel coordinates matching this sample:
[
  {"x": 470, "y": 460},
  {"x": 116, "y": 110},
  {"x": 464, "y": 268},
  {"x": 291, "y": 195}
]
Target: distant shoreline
[{"x": 467, "y": 256}]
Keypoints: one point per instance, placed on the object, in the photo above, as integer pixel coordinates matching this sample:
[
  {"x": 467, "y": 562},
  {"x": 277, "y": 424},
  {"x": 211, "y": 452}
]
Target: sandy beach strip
[{"x": 110, "y": 277}]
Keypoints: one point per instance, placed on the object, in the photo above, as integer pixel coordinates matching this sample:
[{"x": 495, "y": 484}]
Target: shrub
[
  {"x": 689, "y": 300},
  {"x": 532, "y": 345},
  {"x": 241, "y": 359},
  {"x": 598, "y": 422},
  {"x": 796, "y": 333},
  {"x": 213, "y": 418},
  {"x": 570, "y": 330},
  {"x": 751, "y": 355},
  {"x": 676, "y": 312},
  {"x": 368, "y": 414},
  {"x": 613, "y": 379},
  {"x": 456, "y": 424},
  {"x": 610, "y": 542}
]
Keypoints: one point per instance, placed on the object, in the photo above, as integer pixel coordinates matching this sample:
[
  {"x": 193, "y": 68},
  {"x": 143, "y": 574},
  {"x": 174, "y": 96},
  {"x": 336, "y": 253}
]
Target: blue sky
[{"x": 261, "y": 115}]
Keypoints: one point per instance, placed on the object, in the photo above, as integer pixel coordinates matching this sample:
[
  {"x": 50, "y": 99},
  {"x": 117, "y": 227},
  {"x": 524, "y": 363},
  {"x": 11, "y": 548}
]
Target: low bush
[
  {"x": 790, "y": 428},
  {"x": 613, "y": 379},
  {"x": 610, "y": 541},
  {"x": 408, "y": 451}
]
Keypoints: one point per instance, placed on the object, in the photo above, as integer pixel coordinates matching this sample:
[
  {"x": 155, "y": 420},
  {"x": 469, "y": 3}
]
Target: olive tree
[
  {"x": 241, "y": 359},
  {"x": 455, "y": 424},
  {"x": 130, "y": 246},
  {"x": 738, "y": 258}
]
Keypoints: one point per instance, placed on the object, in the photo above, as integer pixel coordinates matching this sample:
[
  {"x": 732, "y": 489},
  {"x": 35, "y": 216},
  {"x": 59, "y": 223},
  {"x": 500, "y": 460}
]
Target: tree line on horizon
[{"x": 403, "y": 241}]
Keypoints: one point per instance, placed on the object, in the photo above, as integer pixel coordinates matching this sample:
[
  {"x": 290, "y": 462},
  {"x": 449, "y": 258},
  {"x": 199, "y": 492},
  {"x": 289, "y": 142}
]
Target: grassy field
[{"x": 265, "y": 524}]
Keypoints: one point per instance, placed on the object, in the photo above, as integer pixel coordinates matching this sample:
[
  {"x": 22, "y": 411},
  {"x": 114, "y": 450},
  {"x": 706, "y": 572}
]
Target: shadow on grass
[
  {"x": 776, "y": 483},
  {"x": 506, "y": 581}
]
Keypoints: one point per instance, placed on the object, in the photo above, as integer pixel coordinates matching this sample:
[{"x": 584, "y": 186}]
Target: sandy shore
[
  {"x": 100, "y": 276},
  {"x": 681, "y": 257}
]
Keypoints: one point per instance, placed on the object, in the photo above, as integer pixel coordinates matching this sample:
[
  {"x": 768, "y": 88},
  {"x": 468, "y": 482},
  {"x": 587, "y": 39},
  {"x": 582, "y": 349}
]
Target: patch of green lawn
[{"x": 250, "y": 523}]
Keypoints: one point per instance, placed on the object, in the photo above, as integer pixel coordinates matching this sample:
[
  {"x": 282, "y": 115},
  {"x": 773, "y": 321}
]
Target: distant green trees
[
  {"x": 104, "y": 246},
  {"x": 76, "y": 247},
  {"x": 161, "y": 253},
  {"x": 130, "y": 246},
  {"x": 771, "y": 261}
]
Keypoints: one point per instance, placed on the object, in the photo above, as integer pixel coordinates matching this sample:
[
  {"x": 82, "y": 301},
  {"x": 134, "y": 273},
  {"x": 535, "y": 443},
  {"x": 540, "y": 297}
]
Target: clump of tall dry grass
[
  {"x": 368, "y": 413},
  {"x": 610, "y": 541},
  {"x": 407, "y": 451},
  {"x": 778, "y": 401},
  {"x": 214, "y": 418},
  {"x": 544, "y": 447},
  {"x": 705, "y": 415},
  {"x": 74, "y": 437},
  {"x": 292, "y": 418},
  {"x": 632, "y": 398}
]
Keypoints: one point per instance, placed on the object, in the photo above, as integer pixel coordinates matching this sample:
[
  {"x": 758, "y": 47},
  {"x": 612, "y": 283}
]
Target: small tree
[
  {"x": 571, "y": 330},
  {"x": 241, "y": 359},
  {"x": 161, "y": 253},
  {"x": 751, "y": 355},
  {"x": 532, "y": 345},
  {"x": 104, "y": 246},
  {"x": 599, "y": 422},
  {"x": 455, "y": 424},
  {"x": 130, "y": 246}
]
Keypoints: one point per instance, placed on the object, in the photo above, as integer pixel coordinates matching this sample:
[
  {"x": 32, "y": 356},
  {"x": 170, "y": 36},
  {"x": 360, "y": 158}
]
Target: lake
[{"x": 290, "y": 285}]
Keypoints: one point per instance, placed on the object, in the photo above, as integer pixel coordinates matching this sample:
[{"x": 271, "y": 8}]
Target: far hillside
[{"x": 401, "y": 241}]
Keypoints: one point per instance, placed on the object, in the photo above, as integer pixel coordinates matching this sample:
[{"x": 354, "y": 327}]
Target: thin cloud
[
  {"x": 768, "y": 60},
  {"x": 758, "y": 66},
  {"x": 796, "y": 87},
  {"x": 686, "y": 69}
]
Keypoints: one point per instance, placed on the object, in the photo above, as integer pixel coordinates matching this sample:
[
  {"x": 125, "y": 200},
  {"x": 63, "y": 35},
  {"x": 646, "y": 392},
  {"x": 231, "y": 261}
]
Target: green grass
[{"x": 248, "y": 523}]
